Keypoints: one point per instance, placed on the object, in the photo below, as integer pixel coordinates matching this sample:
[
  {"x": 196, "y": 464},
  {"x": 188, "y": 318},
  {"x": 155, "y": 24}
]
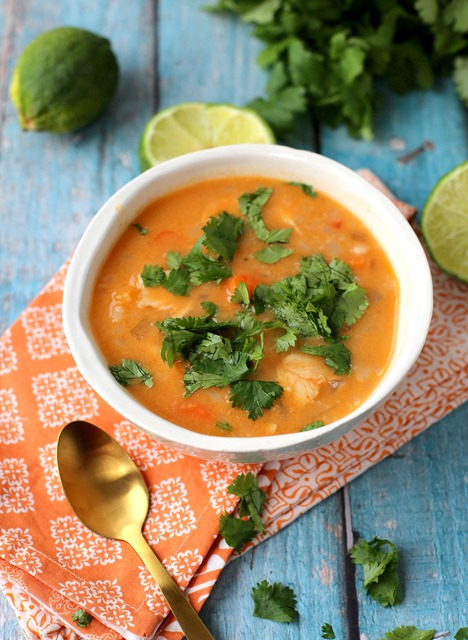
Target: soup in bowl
[{"x": 247, "y": 303}]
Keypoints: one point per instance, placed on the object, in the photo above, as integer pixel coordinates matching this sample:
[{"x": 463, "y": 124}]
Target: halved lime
[
  {"x": 192, "y": 126},
  {"x": 444, "y": 222}
]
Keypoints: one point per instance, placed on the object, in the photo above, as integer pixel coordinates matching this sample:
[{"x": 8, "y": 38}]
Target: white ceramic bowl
[{"x": 379, "y": 214}]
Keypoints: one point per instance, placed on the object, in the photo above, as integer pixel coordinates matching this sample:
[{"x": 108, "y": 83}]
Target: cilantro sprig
[
  {"x": 379, "y": 560},
  {"x": 327, "y": 631},
  {"x": 251, "y": 205},
  {"x": 316, "y": 302},
  {"x": 275, "y": 602},
  {"x": 219, "y": 239},
  {"x": 409, "y": 632},
  {"x": 221, "y": 354},
  {"x": 131, "y": 372},
  {"x": 237, "y": 531},
  {"x": 81, "y": 618},
  {"x": 330, "y": 62}
]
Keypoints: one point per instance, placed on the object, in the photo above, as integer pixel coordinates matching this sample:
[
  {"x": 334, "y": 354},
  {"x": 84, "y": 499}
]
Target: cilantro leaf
[
  {"x": 329, "y": 59},
  {"x": 210, "y": 307},
  {"x": 236, "y": 532},
  {"x": 221, "y": 234},
  {"x": 409, "y": 632},
  {"x": 272, "y": 253},
  {"x": 254, "y": 396},
  {"x": 81, "y": 618},
  {"x": 316, "y": 424},
  {"x": 152, "y": 275},
  {"x": 327, "y": 631},
  {"x": 461, "y": 634},
  {"x": 204, "y": 268},
  {"x": 274, "y": 602},
  {"x": 251, "y": 205},
  {"x": 252, "y": 498},
  {"x": 380, "y": 570},
  {"x": 306, "y": 188},
  {"x": 225, "y": 426},
  {"x": 241, "y": 294},
  {"x": 130, "y": 372},
  {"x": 141, "y": 230},
  {"x": 336, "y": 355},
  {"x": 214, "y": 364}
]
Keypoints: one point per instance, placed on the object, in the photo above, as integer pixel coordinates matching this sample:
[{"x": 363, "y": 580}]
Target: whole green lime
[{"x": 63, "y": 80}]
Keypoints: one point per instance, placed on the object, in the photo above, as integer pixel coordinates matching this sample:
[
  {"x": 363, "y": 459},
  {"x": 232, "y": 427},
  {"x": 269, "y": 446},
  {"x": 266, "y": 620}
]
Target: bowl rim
[{"x": 91, "y": 364}]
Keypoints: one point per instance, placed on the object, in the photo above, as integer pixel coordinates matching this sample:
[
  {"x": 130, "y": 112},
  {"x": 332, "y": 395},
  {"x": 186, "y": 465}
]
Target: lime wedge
[
  {"x": 444, "y": 222},
  {"x": 192, "y": 126}
]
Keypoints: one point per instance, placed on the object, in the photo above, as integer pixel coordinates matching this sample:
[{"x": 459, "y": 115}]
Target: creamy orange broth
[{"x": 123, "y": 312}]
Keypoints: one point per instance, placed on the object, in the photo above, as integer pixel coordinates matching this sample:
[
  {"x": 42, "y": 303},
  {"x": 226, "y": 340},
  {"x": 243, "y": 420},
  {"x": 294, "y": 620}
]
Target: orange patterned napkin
[{"x": 51, "y": 565}]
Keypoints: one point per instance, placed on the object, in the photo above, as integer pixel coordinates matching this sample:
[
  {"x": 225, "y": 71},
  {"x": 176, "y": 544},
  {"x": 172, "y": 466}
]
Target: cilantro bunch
[{"x": 327, "y": 58}]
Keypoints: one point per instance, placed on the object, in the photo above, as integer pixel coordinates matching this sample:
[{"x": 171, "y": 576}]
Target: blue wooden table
[{"x": 171, "y": 51}]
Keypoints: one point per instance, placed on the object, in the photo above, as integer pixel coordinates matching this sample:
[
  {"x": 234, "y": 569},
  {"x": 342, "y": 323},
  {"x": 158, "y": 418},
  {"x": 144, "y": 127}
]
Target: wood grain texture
[{"x": 50, "y": 188}]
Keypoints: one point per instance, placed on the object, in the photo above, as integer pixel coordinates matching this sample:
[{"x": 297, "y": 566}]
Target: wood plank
[
  {"x": 417, "y": 499},
  {"x": 306, "y": 556},
  {"x": 52, "y": 185}
]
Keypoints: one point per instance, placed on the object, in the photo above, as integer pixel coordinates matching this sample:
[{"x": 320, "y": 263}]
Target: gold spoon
[{"x": 108, "y": 494}]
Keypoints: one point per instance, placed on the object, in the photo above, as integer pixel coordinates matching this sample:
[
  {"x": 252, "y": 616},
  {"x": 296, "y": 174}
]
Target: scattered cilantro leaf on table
[
  {"x": 409, "y": 632},
  {"x": 275, "y": 602},
  {"x": 380, "y": 570},
  {"x": 461, "y": 634},
  {"x": 238, "y": 531},
  {"x": 252, "y": 498},
  {"x": 327, "y": 631},
  {"x": 81, "y": 618},
  {"x": 330, "y": 60},
  {"x": 130, "y": 372}
]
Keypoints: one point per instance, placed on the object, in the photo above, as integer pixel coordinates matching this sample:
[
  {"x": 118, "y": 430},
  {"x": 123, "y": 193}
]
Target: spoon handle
[{"x": 186, "y": 616}]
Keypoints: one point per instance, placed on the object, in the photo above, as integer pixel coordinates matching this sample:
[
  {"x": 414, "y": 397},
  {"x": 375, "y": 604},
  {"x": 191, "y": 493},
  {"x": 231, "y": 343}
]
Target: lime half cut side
[
  {"x": 444, "y": 222},
  {"x": 192, "y": 126}
]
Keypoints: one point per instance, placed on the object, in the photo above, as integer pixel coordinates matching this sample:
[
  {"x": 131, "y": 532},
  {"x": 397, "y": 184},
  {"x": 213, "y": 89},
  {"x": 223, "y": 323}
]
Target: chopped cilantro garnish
[
  {"x": 327, "y": 631},
  {"x": 254, "y": 396},
  {"x": 380, "y": 570},
  {"x": 316, "y": 424},
  {"x": 241, "y": 294},
  {"x": 141, "y": 230},
  {"x": 238, "y": 531},
  {"x": 225, "y": 426},
  {"x": 152, "y": 275},
  {"x": 220, "y": 238},
  {"x": 251, "y": 205},
  {"x": 81, "y": 618},
  {"x": 130, "y": 372},
  {"x": 221, "y": 234},
  {"x": 221, "y": 354},
  {"x": 209, "y": 307},
  {"x": 203, "y": 267},
  {"x": 409, "y": 632},
  {"x": 275, "y": 602},
  {"x": 336, "y": 355},
  {"x": 272, "y": 253},
  {"x": 316, "y": 301},
  {"x": 306, "y": 188}
]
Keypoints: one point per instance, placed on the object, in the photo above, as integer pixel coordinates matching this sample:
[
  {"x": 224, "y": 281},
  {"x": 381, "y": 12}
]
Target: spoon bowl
[{"x": 108, "y": 494}]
